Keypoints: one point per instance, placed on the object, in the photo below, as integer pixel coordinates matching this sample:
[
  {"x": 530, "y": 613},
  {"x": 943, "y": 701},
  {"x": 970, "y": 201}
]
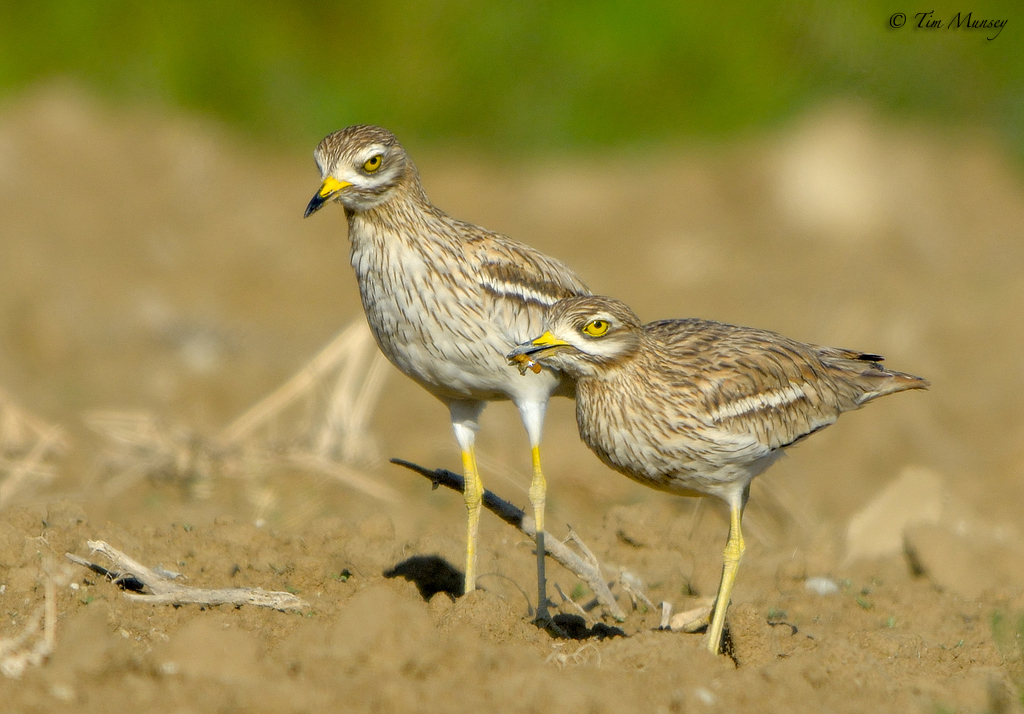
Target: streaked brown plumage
[
  {"x": 445, "y": 299},
  {"x": 699, "y": 407}
]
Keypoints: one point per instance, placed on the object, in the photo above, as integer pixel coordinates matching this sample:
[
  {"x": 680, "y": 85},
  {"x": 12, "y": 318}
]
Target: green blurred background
[{"x": 526, "y": 76}]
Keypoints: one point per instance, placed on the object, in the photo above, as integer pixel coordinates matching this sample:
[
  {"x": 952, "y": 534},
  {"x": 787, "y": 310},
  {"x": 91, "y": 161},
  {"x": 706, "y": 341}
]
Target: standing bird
[
  {"x": 699, "y": 408},
  {"x": 445, "y": 300}
]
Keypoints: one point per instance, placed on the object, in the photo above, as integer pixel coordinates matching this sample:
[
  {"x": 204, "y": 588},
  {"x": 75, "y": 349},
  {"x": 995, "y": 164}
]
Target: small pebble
[
  {"x": 821, "y": 586},
  {"x": 705, "y": 696}
]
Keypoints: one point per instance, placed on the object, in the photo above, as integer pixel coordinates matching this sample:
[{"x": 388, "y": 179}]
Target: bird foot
[{"x": 548, "y": 624}]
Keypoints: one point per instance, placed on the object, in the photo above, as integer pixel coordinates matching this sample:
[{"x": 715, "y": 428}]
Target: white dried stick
[{"x": 164, "y": 590}]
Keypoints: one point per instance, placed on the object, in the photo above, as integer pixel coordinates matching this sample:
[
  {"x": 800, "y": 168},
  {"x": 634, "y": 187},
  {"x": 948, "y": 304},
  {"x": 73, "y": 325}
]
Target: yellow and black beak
[
  {"x": 330, "y": 187},
  {"x": 522, "y": 356}
]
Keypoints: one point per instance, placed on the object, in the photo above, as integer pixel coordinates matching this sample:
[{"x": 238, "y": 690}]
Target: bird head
[
  {"x": 584, "y": 334},
  {"x": 361, "y": 166}
]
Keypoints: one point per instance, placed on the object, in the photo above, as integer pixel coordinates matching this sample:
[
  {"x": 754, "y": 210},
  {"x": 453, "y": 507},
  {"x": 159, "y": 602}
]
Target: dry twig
[
  {"x": 696, "y": 619},
  {"x": 37, "y": 638},
  {"x": 144, "y": 446},
  {"x": 317, "y": 421},
  {"x": 134, "y": 577},
  {"x": 567, "y": 600},
  {"x": 579, "y": 656},
  {"x": 634, "y": 587},
  {"x": 26, "y": 444},
  {"x": 341, "y": 432},
  {"x": 586, "y": 570}
]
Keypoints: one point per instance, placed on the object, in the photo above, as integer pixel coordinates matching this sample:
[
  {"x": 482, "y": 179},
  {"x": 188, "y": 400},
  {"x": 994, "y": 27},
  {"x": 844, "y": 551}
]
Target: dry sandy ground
[{"x": 156, "y": 264}]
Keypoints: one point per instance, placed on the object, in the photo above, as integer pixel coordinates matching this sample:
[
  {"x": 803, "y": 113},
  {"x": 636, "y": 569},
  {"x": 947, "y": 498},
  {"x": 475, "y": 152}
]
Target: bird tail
[{"x": 872, "y": 379}]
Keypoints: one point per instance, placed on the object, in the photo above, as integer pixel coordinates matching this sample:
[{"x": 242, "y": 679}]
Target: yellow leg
[
  {"x": 474, "y": 495},
  {"x": 538, "y": 497},
  {"x": 733, "y": 553},
  {"x": 538, "y": 491}
]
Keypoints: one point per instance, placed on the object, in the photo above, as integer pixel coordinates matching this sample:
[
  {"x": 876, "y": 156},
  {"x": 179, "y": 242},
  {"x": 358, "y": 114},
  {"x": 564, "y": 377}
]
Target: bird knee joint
[{"x": 734, "y": 551}]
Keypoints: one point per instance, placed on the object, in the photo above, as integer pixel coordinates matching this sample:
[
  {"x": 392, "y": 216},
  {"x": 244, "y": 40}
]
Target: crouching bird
[{"x": 696, "y": 407}]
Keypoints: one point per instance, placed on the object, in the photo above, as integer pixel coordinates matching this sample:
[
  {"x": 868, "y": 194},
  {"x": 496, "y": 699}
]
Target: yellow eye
[
  {"x": 596, "y": 328},
  {"x": 373, "y": 163}
]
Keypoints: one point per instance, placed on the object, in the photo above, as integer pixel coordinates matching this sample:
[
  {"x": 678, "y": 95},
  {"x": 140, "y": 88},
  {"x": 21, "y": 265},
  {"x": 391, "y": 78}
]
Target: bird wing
[
  {"x": 754, "y": 384},
  {"x": 509, "y": 269}
]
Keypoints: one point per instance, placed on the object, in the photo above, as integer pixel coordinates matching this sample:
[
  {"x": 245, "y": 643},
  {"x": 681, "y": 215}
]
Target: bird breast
[{"x": 432, "y": 320}]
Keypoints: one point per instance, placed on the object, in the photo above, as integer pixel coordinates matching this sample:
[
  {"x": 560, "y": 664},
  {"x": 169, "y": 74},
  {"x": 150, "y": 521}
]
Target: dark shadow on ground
[
  {"x": 432, "y": 574},
  {"x": 574, "y": 627}
]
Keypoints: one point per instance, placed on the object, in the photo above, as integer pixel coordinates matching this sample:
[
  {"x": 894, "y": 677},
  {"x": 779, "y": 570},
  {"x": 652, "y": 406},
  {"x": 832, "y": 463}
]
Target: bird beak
[
  {"x": 330, "y": 187},
  {"x": 522, "y": 356}
]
